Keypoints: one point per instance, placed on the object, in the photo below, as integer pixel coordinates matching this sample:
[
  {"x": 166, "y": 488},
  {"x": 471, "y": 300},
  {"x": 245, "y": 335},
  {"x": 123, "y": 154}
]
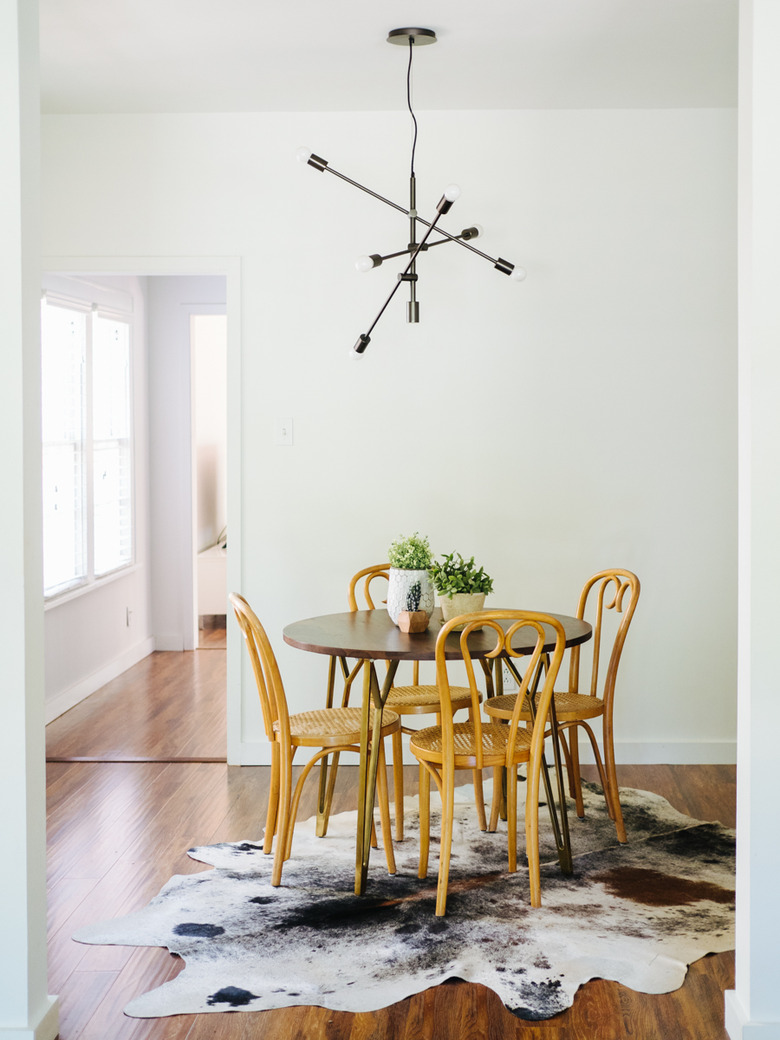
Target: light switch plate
[{"x": 283, "y": 431}]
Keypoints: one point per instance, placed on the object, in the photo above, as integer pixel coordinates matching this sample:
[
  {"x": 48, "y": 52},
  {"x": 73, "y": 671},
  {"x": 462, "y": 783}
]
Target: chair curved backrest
[
  {"x": 536, "y": 625},
  {"x": 360, "y": 585},
  {"x": 270, "y": 687},
  {"x": 613, "y": 589}
]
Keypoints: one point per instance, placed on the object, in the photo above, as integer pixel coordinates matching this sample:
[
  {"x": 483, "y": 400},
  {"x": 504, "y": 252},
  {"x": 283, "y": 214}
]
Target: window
[{"x": 87, "y": 445}]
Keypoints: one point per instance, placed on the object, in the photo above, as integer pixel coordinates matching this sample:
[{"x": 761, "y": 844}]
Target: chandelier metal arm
[
  {"x": 364, "y": 339},
  {"x": 427, "y": 246},
  {"x": 498, "y": 262}
]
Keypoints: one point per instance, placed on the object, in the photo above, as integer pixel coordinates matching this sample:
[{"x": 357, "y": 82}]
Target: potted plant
[
  {"x": 410, "y": 588},
  {"x": 461, "y": 585}
]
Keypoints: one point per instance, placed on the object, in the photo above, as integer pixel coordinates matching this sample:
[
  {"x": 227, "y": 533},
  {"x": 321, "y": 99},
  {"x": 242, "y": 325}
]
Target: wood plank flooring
[
  {"x": 168, "y": 707},
  {"x": 119, "y": 829}
]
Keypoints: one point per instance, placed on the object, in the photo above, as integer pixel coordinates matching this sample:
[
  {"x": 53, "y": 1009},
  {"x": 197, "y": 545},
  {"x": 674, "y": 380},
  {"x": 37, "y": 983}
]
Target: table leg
[
  {"x": 371, "y": 721},
  {"x": 560, "y": 827},
  {"x": 562, "y": 837},
  {"x": 323, "y": 801}
]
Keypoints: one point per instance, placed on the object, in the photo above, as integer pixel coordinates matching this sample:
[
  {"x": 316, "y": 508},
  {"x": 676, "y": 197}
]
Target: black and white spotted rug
[{"x": 637, "y": 914}]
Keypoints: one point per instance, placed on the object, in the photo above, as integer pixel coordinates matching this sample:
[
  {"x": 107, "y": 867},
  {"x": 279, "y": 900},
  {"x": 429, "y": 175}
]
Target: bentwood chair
[
  {"x": 414, "y": 699},
  {"x": 329, "y": 729},
  {"x": 604, "y": 596},
  {"x": 443, "y": 749}
]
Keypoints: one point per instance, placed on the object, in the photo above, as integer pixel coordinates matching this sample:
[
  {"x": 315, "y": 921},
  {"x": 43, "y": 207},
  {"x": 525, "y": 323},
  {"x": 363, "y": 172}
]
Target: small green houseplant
[
  {"x": 410, "y": 589},
  {"x": 412, "y": 553},
  {"x": 462, "y": 586}
]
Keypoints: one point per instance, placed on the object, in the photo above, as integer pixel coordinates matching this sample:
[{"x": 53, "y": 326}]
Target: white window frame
[{"x": 90, "y": 580}]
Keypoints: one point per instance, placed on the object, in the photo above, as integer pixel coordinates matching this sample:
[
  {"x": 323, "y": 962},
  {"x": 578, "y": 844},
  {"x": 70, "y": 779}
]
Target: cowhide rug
[{"x": 637, "y": 913}]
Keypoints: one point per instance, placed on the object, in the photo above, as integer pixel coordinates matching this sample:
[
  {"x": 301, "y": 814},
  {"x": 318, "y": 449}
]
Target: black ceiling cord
[{"x": 409, "y": 101}]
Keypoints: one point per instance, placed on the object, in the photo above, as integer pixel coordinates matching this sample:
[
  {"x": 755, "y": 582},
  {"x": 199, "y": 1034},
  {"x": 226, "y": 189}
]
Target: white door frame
[{"x": 230, "y": 269}]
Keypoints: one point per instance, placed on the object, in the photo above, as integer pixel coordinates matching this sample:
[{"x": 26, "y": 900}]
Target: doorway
[{"x": 167, "y": 502}]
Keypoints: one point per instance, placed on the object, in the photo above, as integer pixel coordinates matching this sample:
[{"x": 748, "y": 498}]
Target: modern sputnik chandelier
[{"x": 411, "y": 38}]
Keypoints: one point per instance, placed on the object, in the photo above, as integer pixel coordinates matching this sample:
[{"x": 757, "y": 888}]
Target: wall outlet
[{"x": 510, "y": 683}]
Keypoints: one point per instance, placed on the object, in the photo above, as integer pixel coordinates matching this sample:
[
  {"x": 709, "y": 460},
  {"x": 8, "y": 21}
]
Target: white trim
[
  {"x": 669, "y": 752},
  {"x": 46, "y": 1028},
  {"x": 170, "y": 642},
  {"x": 715, "y": 752},
  {"x": 67, "y": 699},
  {"x": 58, "y": 598},
  {"x": 738, "y": 1025}
]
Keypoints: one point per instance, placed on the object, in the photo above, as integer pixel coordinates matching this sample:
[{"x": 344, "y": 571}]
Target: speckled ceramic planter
[{"x": 409, "y": 590}]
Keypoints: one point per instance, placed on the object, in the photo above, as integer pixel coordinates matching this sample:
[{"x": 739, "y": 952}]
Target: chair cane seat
[
  {"x": 427, "y": 743},
  {"x": 568, "y": 707},
  {"x": 423, "y": 700},
  {"x": 333, "y": 726}
]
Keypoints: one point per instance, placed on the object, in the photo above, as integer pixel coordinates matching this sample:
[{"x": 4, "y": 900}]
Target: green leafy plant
[
  {"x": 454, "y": 575},
  {"x": 411, "y": 554}
]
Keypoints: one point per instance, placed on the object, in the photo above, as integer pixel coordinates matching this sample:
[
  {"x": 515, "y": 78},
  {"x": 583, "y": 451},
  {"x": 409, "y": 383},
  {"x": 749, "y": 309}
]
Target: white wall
[
  {"x": 26, "y": 1012},
  {"x": 753, "y": 1007},
  {"x": 93, "y": 635},
  {"x": 172, "y": 301},
  {"x": 583, "y": 419}
]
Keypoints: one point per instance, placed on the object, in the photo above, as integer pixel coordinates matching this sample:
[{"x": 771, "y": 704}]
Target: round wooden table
[{"x": 370, "y": 635}]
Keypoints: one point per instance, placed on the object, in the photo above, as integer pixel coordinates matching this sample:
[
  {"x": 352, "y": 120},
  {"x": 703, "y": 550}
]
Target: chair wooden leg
[
  {"x": 495, "y": 805},
  {"x": 564, "y": 745},
  {"x": 479, "y": 798},
  {"x": 611, "y": 788},
  {"x": 326, "y": 800},
  {"x": 511, "y": 816},
  {"x": 398, "y": 784},
  {"x": 384, "y": 809},
  {"x": 285, "y": 822},
  {"x": 425, "y": 820},
  {"x": 447, "y": 813},
  {"x": 272, "y": 813},
  {"x": 575, "y": 780},
  {"x": 532, "y": 832}
]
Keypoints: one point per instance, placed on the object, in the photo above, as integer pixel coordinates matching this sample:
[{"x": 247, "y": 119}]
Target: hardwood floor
[
  {"x": 119, "y": 829},
  {"x": 169, "y": 707}
]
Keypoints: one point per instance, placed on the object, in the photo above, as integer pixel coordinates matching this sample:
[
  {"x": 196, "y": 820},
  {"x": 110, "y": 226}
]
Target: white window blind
[{"x": 87, "y": 445}]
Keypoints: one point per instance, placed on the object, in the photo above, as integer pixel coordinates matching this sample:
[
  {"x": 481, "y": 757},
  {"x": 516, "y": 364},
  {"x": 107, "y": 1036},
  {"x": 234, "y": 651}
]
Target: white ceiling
[{"x": 256, "y": 55}]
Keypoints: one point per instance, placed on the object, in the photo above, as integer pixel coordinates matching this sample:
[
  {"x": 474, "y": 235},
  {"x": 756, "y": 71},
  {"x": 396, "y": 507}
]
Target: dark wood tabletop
[{"x": 371, "y": 635}]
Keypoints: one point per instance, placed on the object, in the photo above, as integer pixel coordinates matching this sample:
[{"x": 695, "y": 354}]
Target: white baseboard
[
  {"x": 45, "y": 1027},
  {"x": 740, "y": 1028},
  {"x": 174, "y": 641},
  {"x": 681, "y": 752},
  {"x": 58, "y": 703}
]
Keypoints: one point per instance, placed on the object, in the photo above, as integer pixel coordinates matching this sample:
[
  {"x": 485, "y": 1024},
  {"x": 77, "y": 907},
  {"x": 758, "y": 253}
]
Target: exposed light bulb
[
  {"x": 367, "y": 263},
  {"x": 518, "y": 274},
  {"x": 452, "y": 192},
  {"x": 304, "y": 154}
]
